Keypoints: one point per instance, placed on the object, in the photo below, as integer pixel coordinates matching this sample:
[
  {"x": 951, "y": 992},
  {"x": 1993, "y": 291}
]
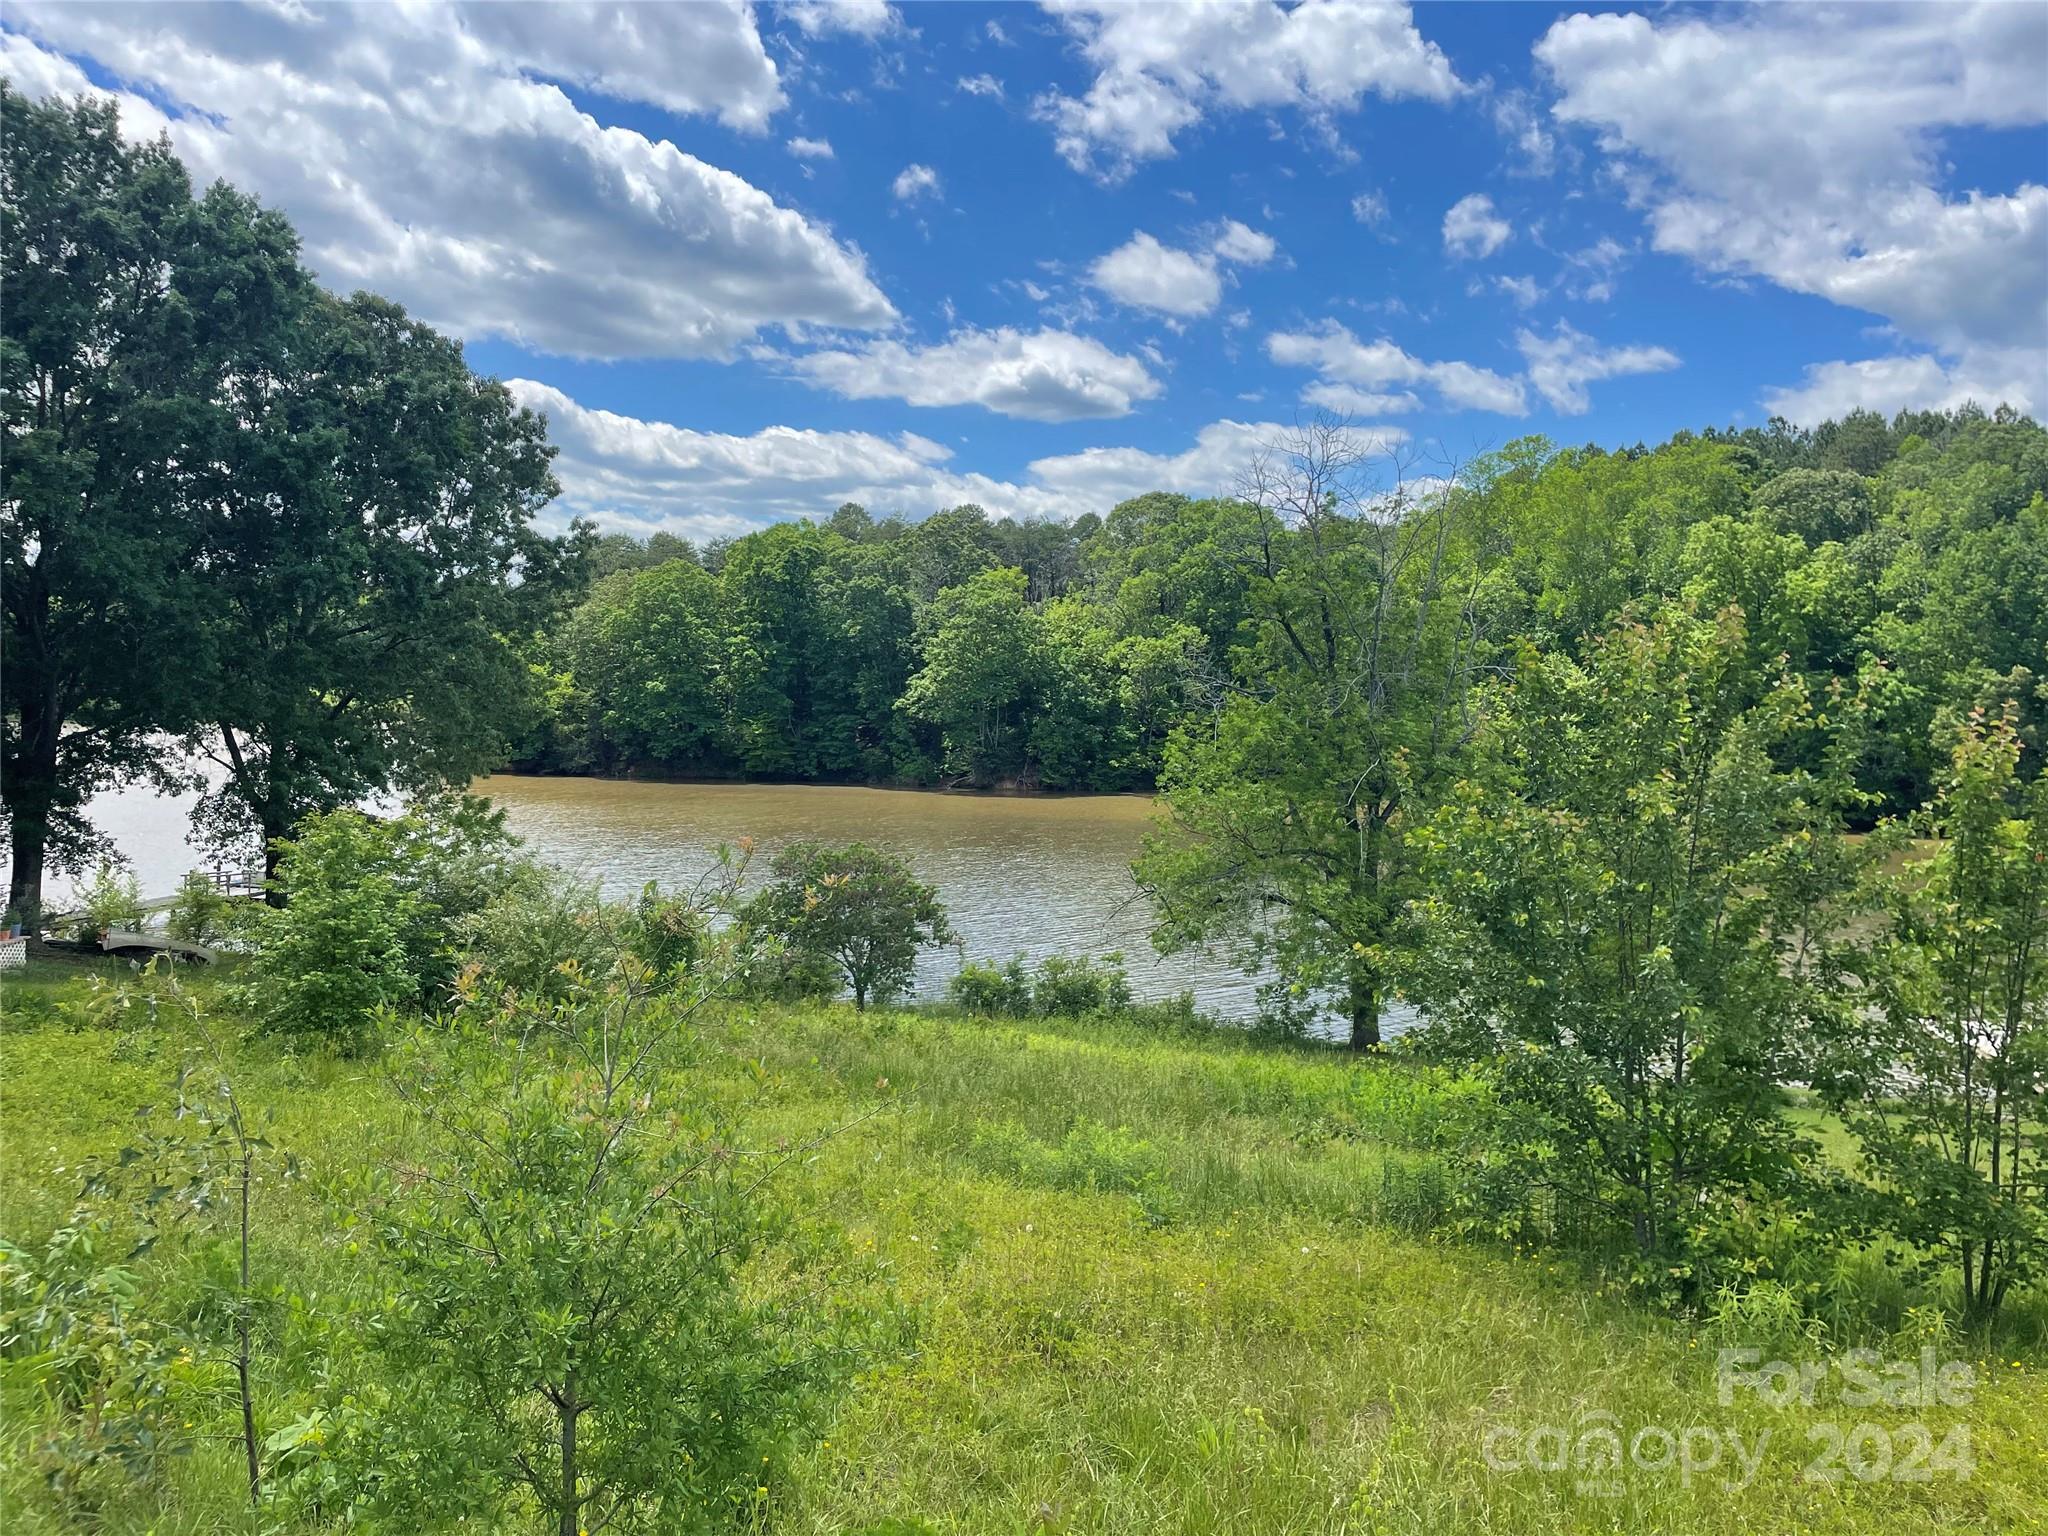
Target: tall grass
[{"x": 1122, "y": 1283}]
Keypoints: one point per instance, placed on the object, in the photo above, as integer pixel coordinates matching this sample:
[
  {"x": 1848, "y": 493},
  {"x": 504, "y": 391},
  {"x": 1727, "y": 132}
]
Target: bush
[
  {"x": 543, "y": 935},
  {"x": 549, "y": 934},
  {"x": 992, "y": 991},
  {"x": 371, "y": 912},
  {"x": 111, "y": 899},
  {"x": 1072, "y": 987},
  {"x": 1063, "y": 987},
  {"x": 344, "y": 945},
  {"x": 571, "y": 1322},
  {"x": 853, "y": 912},
  {"x": 201, "y": 912}
]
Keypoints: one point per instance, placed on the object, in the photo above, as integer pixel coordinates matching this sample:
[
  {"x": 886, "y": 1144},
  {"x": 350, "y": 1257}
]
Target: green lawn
[{"x": 1137, "y": 1285}]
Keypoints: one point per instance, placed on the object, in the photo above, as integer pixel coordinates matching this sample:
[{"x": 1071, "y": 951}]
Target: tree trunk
[
  {"x": 1365, "y": 1007},
  {"x": 28, "y": 837},
  {"x": 242, "y": 1351},
  {"x": 570, "y": 1410},
  {"x": 30, "y": 795}
]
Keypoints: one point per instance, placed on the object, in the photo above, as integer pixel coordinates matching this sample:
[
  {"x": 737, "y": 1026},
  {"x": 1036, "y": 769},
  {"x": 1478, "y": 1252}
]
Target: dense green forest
[{"x": 962, "y": 649}]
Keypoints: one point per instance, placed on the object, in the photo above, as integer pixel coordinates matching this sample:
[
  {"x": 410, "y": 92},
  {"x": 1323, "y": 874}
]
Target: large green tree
[
  {"x": 1285, "y": 805},
  {"x": 1627, "y": 913},
  {"x": 369, "y": 556},
  {"x": 132, "y": 313}
]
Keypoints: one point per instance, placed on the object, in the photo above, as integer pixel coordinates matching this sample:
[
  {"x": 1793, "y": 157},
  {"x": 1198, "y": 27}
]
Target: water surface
[
  {"x": 1031, "y": 875},
  {"x": 1037, "y": 875}
]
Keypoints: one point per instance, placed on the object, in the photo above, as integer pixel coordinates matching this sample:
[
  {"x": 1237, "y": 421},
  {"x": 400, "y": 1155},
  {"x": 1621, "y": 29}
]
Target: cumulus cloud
[
  {"x": 1043, "y": 376},
  {"x": 1472, "y": 228},
  {"x": 1371, "y": 367},
  {"x": 1990, "y": 377},
  {"x": 1804, "y": 146},
  {"x": 811, "y": 149},
  {"x": 1160, "y": 68},
  {"x": 1535, "y": 148},
  {"x": 622, "y": 471},
  {"x": 981, "y": 85},
  {"x": 1243, "y": 245},
  {"x": 913, "y": 182},
  {"x": 1562, "y": 364},
  {"x": 424, "y": 153},
  {"x": 1145, "y": 274},
  {"x": 1525, "y": 290}
]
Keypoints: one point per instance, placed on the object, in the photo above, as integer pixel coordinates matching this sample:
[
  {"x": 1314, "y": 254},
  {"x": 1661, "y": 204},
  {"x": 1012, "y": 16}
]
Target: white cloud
[
  {"x": 1472, "y": 228},
  {"x": 811, "y": 149},
  {"x": 1563, "y": 364},
  {"x": 1370, "y": 208},
  {"x": 915, "y": 181},
  {"x": 1803, "y": 145},
  {"x": 420, "y": 153},
  {"x": 1160, "y": 68},
  {"x": 1370, "y": 367},
  {"x": 1242, "y": 244},
  {"x": 1222, "y": 451},
  {"x": 1890, "y": 384},
  {"x": 981, "y": 85},
  {"x": 1147, "y": 275},
  {"x": 625, "y": 472},
  {"x": 1535, "y": 148},
  {"x": 1044, "y": 376},
  {"x": 1525, "y": 291},
  {"x": 862, "y": 18}
]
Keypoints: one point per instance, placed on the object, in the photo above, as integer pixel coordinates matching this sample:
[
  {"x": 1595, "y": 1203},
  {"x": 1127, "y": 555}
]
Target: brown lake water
[
  {"x": 1031, "y": 875},
  {"x": 1036, "y": 875}
]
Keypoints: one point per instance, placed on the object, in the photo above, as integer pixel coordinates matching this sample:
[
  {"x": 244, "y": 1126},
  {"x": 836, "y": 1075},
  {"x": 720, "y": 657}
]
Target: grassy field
[{"x": 1135, "y": 1285}]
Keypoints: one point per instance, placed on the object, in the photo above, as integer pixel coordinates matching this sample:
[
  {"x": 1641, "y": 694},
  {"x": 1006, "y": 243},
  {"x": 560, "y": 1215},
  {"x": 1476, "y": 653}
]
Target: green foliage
[
  {"x": 172, "y": 378},
  {"x": 568, "y": 1319},
  {"x": 1284, "y": 809},
  {"x": 75, "y": 1338},
  {"x": 853, "y": 914},
  {"x": 371, "y": 910},
  {"x": 1944, "y": 1081},
  {"x": 990, "y": 991},
  {"x": 112, "y": 898},
  {"x": 201, "y": 913},
  {"x": 343, "y": 946},
  {"x": 134, "y": 309},
  {"x": 1064, "y": 986},
  {"x": 1629, "y": 918}
]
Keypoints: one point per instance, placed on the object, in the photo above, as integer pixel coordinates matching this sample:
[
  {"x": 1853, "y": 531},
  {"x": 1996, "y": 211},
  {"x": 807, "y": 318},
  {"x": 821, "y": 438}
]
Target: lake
[{"x": 1036, "y": 875}]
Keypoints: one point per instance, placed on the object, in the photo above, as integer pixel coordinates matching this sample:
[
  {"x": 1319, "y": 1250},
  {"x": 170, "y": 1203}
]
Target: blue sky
[{"x": 754, "y": 261}]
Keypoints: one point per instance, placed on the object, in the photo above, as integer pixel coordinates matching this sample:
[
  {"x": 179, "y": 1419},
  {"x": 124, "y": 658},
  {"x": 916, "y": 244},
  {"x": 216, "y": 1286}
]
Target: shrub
[
  {"x": 544, "y": 933},
  {"x": 853, "y": 912},
  {"x": 1072, "y": 987},
  {"x": 345, "y": 944},
  {"x": 111, "y": 899},
  {"x": 371, "y": 908},
  {"x": 201, "y": 912},
  {"x": 568, "y": 1327},
  {"x": 992, "y": 991},
  {"x": 1064, "y": 987}
]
